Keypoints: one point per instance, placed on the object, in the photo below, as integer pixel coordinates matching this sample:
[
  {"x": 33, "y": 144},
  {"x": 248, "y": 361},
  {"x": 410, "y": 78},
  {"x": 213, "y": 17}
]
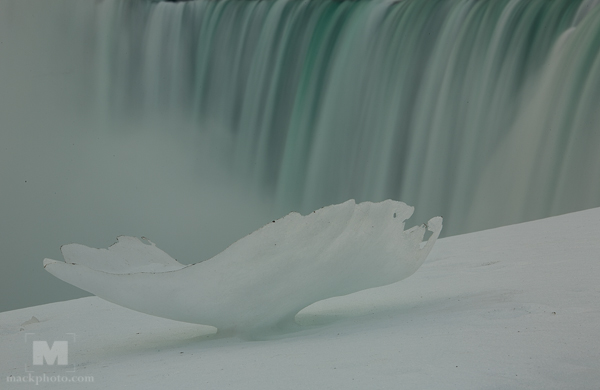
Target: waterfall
[{"x": 485, "y": 112}]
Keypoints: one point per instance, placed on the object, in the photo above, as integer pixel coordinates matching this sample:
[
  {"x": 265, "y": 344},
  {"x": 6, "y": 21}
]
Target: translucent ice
[{"x": 258, "y": 284}]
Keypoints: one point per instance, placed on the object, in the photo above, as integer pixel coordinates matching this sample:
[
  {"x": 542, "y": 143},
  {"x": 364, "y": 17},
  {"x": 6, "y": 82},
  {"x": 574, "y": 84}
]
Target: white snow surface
[{"x": 516, "y": 307}]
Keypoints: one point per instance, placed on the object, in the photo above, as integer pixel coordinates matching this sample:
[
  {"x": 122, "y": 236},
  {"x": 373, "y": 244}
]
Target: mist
[{"x": 68, "y": 174}]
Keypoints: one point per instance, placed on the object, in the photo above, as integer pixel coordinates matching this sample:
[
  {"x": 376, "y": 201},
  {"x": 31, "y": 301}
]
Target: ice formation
[{"x": 257, "y": 285}]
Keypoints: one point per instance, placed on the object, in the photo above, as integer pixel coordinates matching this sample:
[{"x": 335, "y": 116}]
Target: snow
[
  {"x": 257, "y": 285},
  {"x": 512, "y": 307}
]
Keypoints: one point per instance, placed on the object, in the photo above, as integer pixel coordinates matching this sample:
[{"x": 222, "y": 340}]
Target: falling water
[
  {"x": 165, "y": 119},
  {"x": 482, "y": 111}
]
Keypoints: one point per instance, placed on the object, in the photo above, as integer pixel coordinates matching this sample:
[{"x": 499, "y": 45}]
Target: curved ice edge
[{"x": 257, "y": 285}]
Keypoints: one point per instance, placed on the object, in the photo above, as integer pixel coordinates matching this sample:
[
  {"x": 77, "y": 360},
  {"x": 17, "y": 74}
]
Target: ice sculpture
[{"x": 258, "y": 284}]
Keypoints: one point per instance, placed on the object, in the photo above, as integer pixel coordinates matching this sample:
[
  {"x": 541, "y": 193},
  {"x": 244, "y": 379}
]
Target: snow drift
[{"x": 257, "y": 285}]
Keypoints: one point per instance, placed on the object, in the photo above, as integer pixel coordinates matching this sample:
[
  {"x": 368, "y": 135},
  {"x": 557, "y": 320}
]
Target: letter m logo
[{"x": 59, "y": 351}]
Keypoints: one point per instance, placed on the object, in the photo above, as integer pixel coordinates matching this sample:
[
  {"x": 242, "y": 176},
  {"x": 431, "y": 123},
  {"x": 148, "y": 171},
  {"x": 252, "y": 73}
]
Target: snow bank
[{"x": 516, "y": 307}]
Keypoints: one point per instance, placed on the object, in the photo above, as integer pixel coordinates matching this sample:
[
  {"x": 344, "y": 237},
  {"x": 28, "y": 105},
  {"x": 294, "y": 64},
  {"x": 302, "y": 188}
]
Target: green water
[{"x": 485, "y": 112}]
